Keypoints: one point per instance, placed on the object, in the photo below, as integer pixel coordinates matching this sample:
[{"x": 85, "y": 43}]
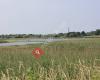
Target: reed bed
[{"x": 67, "y": 60}]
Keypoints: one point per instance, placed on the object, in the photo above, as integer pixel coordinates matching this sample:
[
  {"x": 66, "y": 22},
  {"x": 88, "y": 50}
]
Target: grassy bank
[
  {"x": 3, "y": 41},
  {"x": 74, "y": 59},
  {"x": 8, "y": 40}
]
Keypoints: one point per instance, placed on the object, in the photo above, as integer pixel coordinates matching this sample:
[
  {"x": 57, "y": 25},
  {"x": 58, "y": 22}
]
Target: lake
[{"x": 30, "y": 41}]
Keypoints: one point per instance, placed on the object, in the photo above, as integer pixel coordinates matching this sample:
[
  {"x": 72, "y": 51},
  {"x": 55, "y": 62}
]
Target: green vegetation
[
  {"x": 8, "y": 40},
  {"x": 59, "y": 35},
  {"x": 3, "y": 41},
  {"x": 73, "y": 59}
]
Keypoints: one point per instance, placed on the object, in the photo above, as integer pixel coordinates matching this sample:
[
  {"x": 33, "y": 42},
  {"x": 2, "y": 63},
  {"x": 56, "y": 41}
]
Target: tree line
[{"x": 59, "y": 35}]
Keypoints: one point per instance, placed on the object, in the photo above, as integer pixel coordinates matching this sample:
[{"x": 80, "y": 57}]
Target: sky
[{"x": 48, "y": 16}]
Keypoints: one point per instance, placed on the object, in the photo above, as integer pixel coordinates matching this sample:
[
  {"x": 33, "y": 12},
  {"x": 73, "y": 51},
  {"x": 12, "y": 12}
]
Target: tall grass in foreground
[{"x": 67, "y": 60}]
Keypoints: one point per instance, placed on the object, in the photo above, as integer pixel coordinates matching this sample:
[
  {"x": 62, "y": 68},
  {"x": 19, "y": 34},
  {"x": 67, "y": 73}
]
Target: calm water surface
[{"x": 30, "y": 41}]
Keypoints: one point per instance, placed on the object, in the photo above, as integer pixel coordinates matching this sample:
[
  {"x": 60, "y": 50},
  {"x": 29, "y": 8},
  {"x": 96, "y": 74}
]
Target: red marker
[{"x": 37, "y": 52}]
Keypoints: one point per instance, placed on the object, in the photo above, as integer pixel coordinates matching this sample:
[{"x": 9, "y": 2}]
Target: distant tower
[{"x": 68, "y": 29}]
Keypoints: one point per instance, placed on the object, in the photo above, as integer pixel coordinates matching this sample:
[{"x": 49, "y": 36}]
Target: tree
[
  {"x": 73, "y": 34},
  {"x": 83, "y": 33},
  {"x": 78, "y": 34},
  {"x": 97, "y": 32}
]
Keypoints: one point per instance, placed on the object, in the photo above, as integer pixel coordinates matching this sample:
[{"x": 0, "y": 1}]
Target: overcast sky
[{"x": 48, "y": 16}]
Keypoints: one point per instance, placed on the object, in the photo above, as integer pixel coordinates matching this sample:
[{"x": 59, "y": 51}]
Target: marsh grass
[
  {"x": 67, "y": 60},
  {"x": 3, "y": 41}
]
